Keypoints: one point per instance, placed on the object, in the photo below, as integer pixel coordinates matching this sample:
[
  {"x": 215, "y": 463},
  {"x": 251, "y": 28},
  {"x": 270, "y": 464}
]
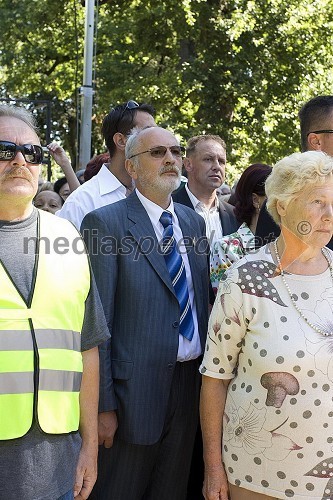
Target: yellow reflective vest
[{"x": 40, "y": 341}]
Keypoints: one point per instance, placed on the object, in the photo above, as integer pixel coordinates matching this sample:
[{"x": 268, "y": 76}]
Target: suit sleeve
[{"x": 102, "y": 250}]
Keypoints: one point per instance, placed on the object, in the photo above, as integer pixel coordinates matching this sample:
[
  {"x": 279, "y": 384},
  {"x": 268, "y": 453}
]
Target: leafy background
[{"x": 240, "y": 69}]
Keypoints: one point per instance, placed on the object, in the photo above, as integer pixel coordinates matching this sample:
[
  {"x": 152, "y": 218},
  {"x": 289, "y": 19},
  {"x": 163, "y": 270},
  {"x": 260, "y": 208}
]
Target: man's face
[
  {"x": 18, "y": 179},
  {"x": 156, "y": 176},
  {"x": 206, "y": 165}
]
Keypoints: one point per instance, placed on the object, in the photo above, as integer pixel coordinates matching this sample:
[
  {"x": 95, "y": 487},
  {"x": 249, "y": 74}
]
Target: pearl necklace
[{"x": 314, "y": 327}]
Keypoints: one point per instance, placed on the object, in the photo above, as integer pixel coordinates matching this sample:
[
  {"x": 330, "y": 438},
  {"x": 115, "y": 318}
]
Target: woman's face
[
  {"x": 64, "y": 191},
  {"x": 309, "y": 216},
  {"x": 48, "y": 201}
]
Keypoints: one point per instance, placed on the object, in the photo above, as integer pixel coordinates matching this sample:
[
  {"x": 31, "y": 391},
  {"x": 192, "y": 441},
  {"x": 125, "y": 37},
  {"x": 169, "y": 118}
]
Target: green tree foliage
[{"x": 237, "y": 68}]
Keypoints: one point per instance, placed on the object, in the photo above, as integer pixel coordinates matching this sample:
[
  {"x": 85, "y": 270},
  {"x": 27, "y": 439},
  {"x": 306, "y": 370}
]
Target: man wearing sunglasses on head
[
  {"x": 51, "y": 321},
  {"x": 316, "y": 124},
  {"x": 112, "y": 183},
  {"x": 149, "y": 258}
]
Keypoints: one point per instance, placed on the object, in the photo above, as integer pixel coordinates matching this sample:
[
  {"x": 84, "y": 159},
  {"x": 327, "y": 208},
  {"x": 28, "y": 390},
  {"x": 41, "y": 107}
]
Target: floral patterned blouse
[
  {"x": 228, "y": 250},
  {"x": 278, "y": 419}
]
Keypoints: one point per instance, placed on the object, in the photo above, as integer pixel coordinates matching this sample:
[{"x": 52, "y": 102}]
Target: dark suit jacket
[
  {"x": 268, "y": 231},
  {"x": 142, "y": 311},
  {"x": 227, "y": 217}
]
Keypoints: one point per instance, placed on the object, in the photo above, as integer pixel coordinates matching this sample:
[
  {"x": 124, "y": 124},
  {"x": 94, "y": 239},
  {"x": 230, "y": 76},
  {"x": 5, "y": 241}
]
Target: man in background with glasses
[
  {"x": 51, "y": 321},
  {"x": 316, "y": 123},
  {"x": 112, "y": 183},
  {"x": 149, "y": 258}
]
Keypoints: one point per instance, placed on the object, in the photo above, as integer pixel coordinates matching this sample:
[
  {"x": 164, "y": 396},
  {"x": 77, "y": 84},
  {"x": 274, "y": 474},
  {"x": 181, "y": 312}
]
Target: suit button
[
  {"x": 170, "y": 366},
  {"x": 175, "y": 324}
]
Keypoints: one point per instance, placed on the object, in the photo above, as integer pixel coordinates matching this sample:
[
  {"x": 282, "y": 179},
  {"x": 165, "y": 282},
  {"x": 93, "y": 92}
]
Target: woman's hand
[
  {"x": 215, "y": 485},
  {"x": 59, "y": 155}
]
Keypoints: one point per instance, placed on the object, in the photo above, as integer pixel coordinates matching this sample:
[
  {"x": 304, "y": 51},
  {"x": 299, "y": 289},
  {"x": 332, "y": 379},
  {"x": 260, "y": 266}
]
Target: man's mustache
[
  {"x": 19, "y": 172},
  {"x": 166, "y": 169}
]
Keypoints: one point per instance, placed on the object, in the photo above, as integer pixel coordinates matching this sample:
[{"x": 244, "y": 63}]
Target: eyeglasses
[
  {"x": 31, "y": 152},
  {"x": 160, "y": 152},
  {"x": 320, "y": 132}
]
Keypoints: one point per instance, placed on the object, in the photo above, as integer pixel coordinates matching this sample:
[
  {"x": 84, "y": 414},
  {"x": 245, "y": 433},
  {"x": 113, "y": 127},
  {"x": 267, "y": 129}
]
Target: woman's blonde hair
[{"x": 294, "y": 173}]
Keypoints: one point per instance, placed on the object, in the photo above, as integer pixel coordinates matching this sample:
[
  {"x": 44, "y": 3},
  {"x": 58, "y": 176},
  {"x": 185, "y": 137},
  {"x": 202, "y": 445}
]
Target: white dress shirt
[
  {"x": 211, "y": 217},
  {"x": 102, "y": 189},
  {"x": 187, "y": 349}
]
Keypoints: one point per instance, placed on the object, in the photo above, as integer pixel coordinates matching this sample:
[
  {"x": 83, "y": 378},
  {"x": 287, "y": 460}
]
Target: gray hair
[
  {"x": 294, "y": 173},
  {"x": 132, "y": 143},
  {"x": 20, "y": 113}
]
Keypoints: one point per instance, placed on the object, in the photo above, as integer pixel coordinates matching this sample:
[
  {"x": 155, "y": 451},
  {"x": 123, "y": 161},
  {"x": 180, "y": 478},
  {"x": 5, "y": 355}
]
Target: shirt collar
[
  {"x": 155, "y": 211},
  {"x": 197, "y": 203},
  {"x": 107, "y": 181}
]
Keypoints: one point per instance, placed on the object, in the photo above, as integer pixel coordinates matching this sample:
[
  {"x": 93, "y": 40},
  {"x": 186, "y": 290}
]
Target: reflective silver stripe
[
  {"x": 16, "y": 383},
  {"x": 49, "y": 380},
  {"x": 21, "y": 340},
  {"x": 59, "y": 380},
  {"x": 15, "y": 340},
  {"x": 58, "y": 339}
]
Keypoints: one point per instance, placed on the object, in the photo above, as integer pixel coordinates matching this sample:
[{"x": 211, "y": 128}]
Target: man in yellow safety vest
[{"x": 51, "y": 323}]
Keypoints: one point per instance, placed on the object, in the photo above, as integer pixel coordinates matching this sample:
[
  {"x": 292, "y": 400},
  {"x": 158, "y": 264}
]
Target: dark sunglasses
[
  {"x": 31, "y": 152},
  {"x": 320, "y": 132},
  {"x": 160, "y": 152}
]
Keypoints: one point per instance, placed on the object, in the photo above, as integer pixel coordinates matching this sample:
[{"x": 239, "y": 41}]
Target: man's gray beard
[
  {"x": 165, "y": 185},
  {"x": 172, "y": 183}
]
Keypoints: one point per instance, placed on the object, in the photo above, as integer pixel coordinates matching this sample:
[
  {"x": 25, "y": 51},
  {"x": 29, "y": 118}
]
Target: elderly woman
[
  {"x": 249, "y": 196},
  {"x": 268, "y": 364}
]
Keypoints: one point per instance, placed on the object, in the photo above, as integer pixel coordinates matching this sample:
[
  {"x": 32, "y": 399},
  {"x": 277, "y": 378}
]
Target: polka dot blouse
[{"x": 278, "y": 422}]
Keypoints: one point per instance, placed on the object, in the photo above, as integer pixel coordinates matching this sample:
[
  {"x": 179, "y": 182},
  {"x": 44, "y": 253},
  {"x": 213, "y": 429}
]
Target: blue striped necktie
[{"x": 177, "y": 273}]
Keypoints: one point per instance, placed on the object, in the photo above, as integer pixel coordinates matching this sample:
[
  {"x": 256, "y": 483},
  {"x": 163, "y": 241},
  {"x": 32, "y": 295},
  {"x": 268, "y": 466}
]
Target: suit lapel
[
  {"x": 143, "y": 232},
  {"x": 224, "y": 218},
  {"x": 183, "y": 198}
]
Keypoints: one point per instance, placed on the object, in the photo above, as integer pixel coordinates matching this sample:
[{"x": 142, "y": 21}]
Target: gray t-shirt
[{"x": 40, "y": 466}]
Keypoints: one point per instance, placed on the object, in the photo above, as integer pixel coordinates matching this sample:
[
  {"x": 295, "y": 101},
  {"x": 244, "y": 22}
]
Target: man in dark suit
[
  {"x": 205, "y": 164},
  {"x": 316, "y": 123},
  {"x": 157, "y": 315}
]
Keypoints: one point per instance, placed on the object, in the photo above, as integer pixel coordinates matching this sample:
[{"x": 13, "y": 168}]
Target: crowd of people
[{"x": 150, "y": 291}]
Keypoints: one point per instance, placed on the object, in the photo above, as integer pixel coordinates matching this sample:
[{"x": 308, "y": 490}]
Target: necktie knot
[{"x": 166, "y": 219}]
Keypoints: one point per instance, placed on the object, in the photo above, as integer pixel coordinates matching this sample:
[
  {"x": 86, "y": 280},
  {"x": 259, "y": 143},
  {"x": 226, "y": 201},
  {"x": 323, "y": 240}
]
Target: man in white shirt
[
  {"x": 205, "y": 164},
  {"x": 112, "y": 183}
]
